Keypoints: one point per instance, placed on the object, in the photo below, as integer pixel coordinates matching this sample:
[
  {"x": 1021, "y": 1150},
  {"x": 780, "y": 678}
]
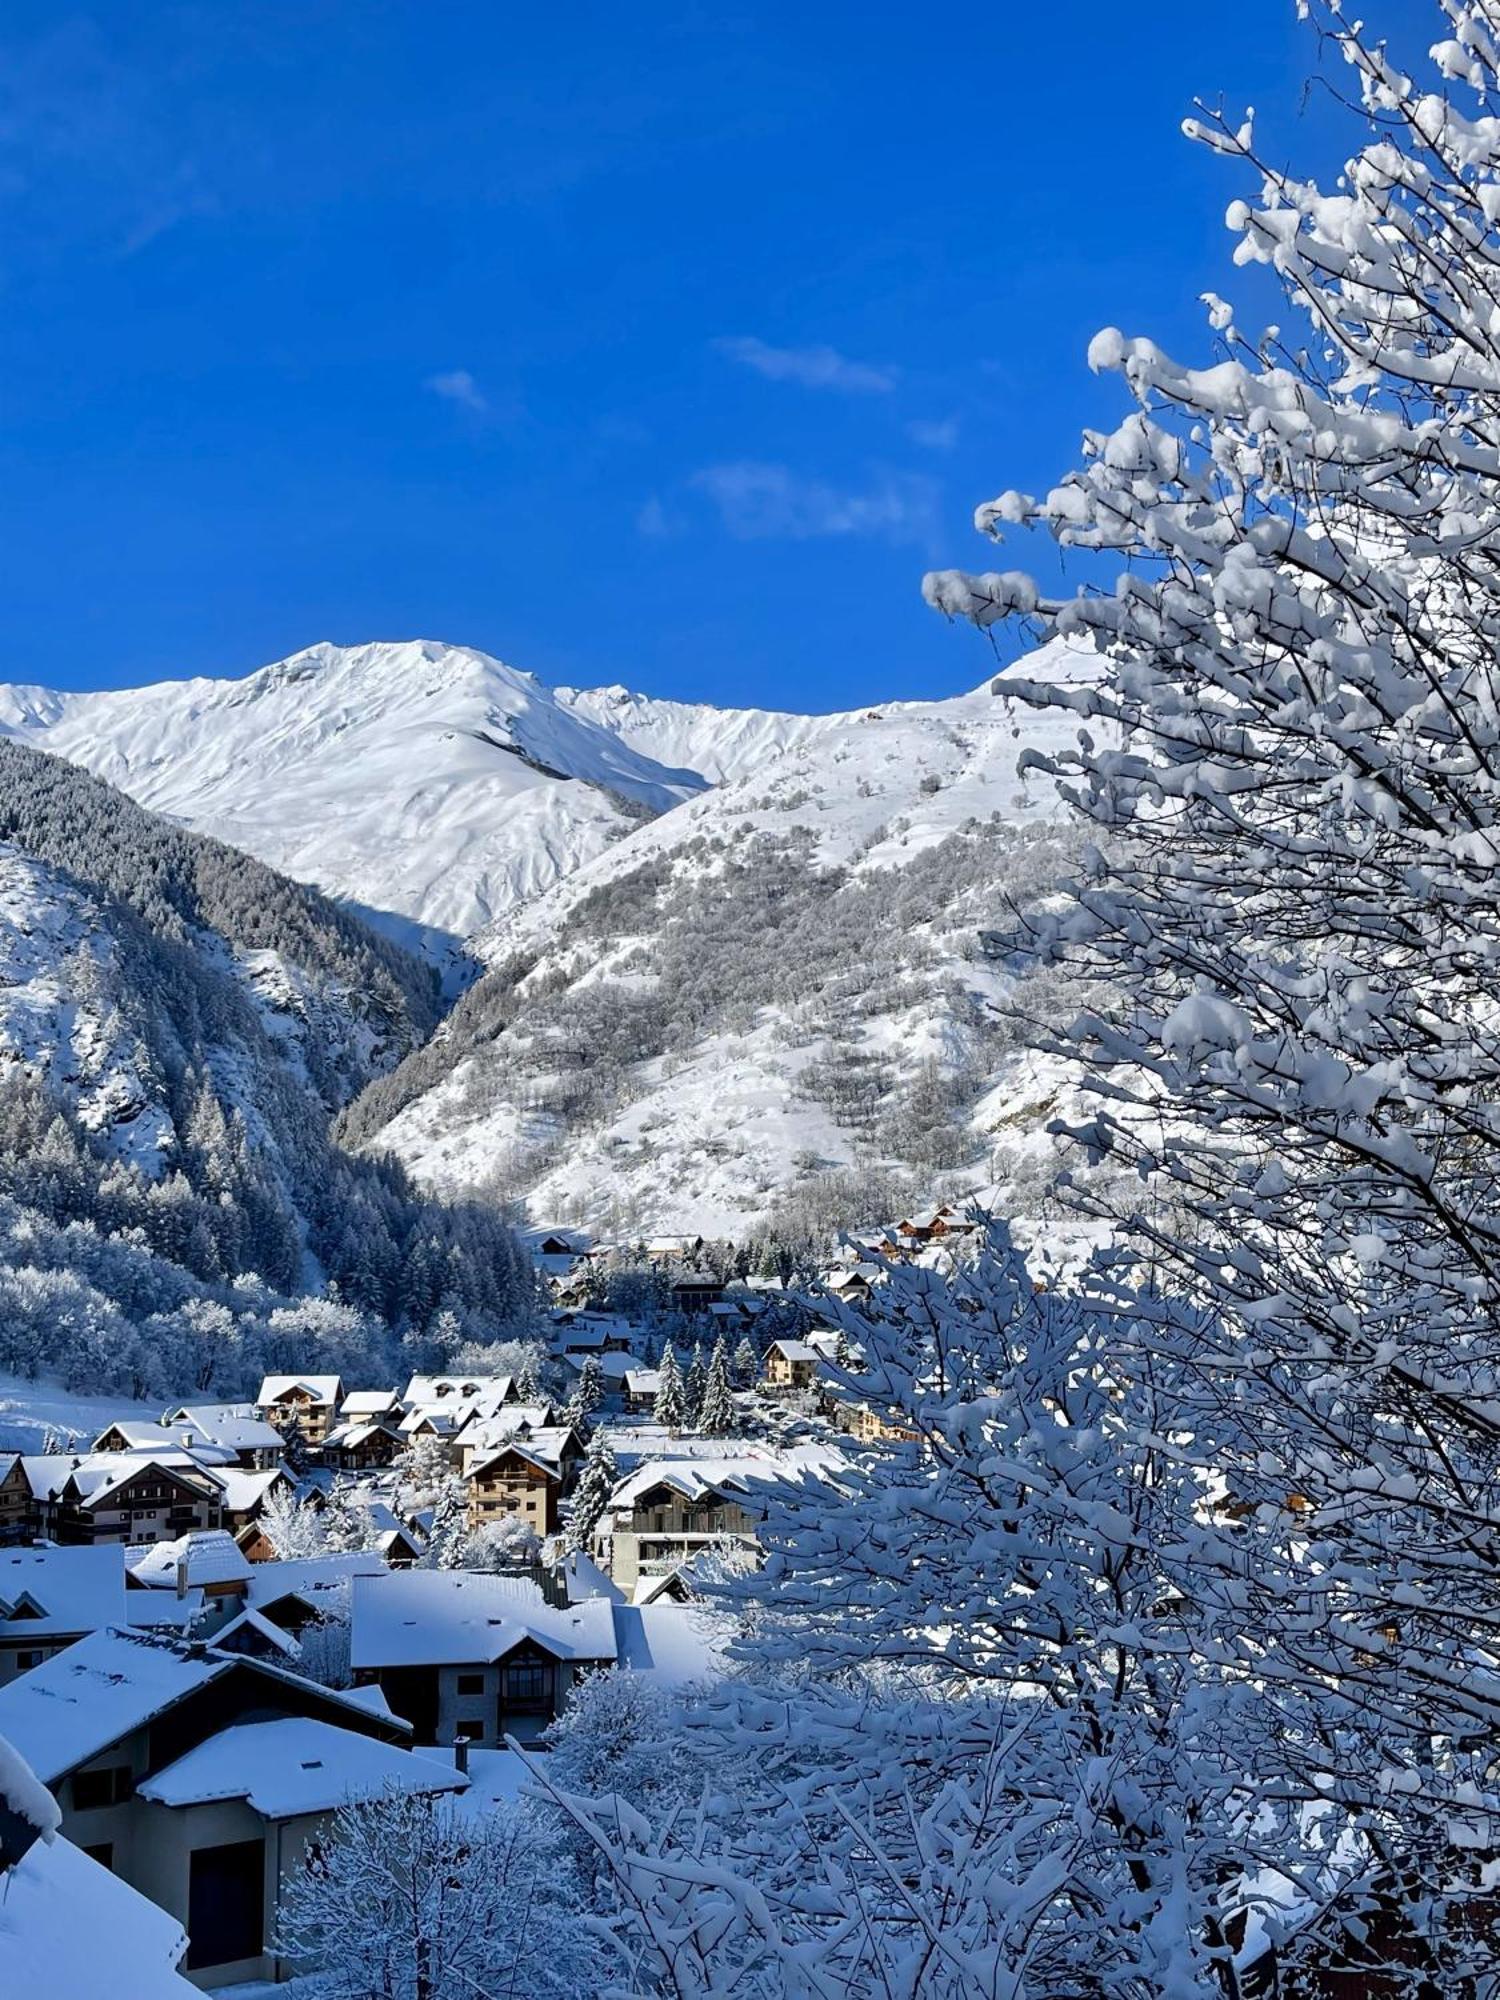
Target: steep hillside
[
  {"x": 429, "y": 786},
  {"x": 177, "y": 1023},
  {"x": 779, "y": 980}
]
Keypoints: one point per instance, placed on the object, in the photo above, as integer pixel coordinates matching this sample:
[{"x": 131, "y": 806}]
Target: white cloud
[
  {"x": 813, "y": 367},
  {"x": 762, "y": 502},
  {"x": 657, "y": 523},
  {"x": 458, "y": 386},
  {"x": 935, "y": 436}
]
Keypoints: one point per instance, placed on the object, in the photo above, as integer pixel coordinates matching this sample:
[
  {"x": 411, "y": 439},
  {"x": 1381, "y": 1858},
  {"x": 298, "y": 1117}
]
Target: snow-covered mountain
[
  {"x": 431, "y": 787},
  {"x": 777, "y": 982}
]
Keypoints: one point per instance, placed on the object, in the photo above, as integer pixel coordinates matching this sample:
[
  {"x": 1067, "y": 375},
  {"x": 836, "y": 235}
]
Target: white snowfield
[{"x": 433, "y": 787}]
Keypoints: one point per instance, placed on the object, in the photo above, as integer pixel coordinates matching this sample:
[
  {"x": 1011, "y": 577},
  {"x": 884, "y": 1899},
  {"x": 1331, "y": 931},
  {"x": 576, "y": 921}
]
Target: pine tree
[
  {"x": 597, "y": 1478},
  {"x": 449, "y": 1530},
  {"x": 716, "y": 1412},
  {"x": 295, "y": 1450},
  {"x": 692, "y": 1388},
  {"x": 529, "y": 1376},
  {"x": 670, "y": 1408},
  {"x": 588, "y": 1391},
  {"x": 746, "y": 1363}
]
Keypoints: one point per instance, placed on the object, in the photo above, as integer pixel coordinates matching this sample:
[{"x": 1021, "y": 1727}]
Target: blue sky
[{"x": 662, "y": 344}]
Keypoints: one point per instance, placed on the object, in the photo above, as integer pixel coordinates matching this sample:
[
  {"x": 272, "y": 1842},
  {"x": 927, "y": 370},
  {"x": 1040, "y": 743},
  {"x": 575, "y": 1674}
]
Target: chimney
[
  {"x": 461, "y": 1754},
  {"x": 182, "y": 1576}
]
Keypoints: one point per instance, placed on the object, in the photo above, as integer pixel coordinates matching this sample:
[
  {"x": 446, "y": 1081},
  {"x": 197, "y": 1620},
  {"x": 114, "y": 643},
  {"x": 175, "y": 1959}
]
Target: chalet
[
  {"x": 256, "y": 1445},
  {"x": 524, "y": 1478},
  {"x": 932, "y": 1226},
  {"x": 68, "y": 1927},
  {"x": 308, "y": 1401},
  {"x": 672, "y": 1249},
  {"x": 696, "y": 1291},
  {"x": 790, "y": 1365},
  {"x": 362, "y": 1447},
  {"x": 51, "y": 1597},
  {"x": 639, "y": 1387},
  {"x": 854, "y": 1283},
  {"x": 558, "y": 1243},
  {"x": 15, "y": 1501},
  {"x": 486, "y": 1434},
  {"x": 669, "y": 1510},
  {"x": 370, "y": 1406},
  {"x": 200, "y": 1776},
  {"x": 591, "y": 1333},
  {"x": 457, "y": 1653},
  {"x": 122, "y": 1497},
  {"x": 867, "y": 1425}
]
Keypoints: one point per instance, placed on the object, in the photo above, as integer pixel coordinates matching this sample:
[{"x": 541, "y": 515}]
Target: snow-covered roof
[
  {"x": 321, "y": 1388},
  {"x": 210, "y": 1555},
  {"x": 98, "y": 1473},
  {"x": 642, "y": 1381},
  {"x": 308, "y": 1577},
  {"x": 73, "y": 1930},
  {"x": 792, "y": 1350},
  {"x": 227, "y": 1424},
  {"x": 423, "y": 1390},
  {"x": 244, "y": 1490},
  {"x": 293, "y": 1764},
  {"x": 250, "y": 1620},
  {"x": 149, "y": 1438},
  {"x": 56, "y": 1592},
  {"x": 673, "y": 1644},
  {"x": 430, "y": 1617},
  {"x": 583, "y": 1578},
  {"x": 79, "y": 1702},
  {"x": 737, "y": 1476},
  {"x": 542, "y": 1448},
  {"x": 369, "y": 1403},
  {"x": 496, "y": 1777},
  {"x": 349, "y": 1436},
  {"x": 210, "y": 1415}
]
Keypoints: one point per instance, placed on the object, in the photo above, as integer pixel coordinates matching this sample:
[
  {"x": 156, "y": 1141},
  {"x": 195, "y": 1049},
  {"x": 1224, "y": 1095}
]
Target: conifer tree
[
  {"x": 746, "y": 1362},
  {"x": 670, "y": 1408},
  {"x": 716, "y": 1411},
  {"x": 692, "y": 1388},
  {"x": 597, "y": 1478}
]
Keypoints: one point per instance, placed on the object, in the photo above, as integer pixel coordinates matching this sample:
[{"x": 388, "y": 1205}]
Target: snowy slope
[
  {"x": 433, "y": 788},
  {"x": 429, "y": 785},
  {"x": 668, "y": 1035}
]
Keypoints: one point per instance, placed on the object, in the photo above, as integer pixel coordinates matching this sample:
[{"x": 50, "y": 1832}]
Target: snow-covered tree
[
  {"x": 588, "y": 1391},
  {"x": 716, "y": 1410},
  {"x": 998, "y": 1734},
  {"x": 746, "y": 1364},
  {"x": 412, "y": 1898},
  {"x": 693, "y": 1383},
  {"x": 449, "y": 1531},
  {"x": 670, "y": 1407},
  {"x": 1292, "y": 755},
  {"x": 293, "y": 1529},
  {"x": 597, "y": 1479},
  {"x": 529, "y": 1374},
  {"x": 506, "y": 1544}
]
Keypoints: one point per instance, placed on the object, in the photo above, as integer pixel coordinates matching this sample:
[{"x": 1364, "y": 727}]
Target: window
[
  {"x": 527, "y": 1685},
  {"x": 31, "y": 1659},
  {"x": 92, "y": 1789},
  {"x": 470, "y": 1684},
  {"x": 226, "y": 1903}
]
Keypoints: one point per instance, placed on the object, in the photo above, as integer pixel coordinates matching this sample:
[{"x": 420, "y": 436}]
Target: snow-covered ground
[{"x": 29, "y": 1411}]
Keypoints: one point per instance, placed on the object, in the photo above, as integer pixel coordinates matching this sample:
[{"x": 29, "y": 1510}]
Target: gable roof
[
  {"x": 70, "y": 1928},
  {"x": 294, "y": 1764},
  {"x": 793, "y": 1350},
  {"x": 321, "y": 1388},
  {"x": 431, "y": 1617},
  {"x": 79, "y": 1702},
  {"x": 61, "y": 1591},
  {"x": 369, "y": 1403},
  {"x": 423, "y": 1390}
]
